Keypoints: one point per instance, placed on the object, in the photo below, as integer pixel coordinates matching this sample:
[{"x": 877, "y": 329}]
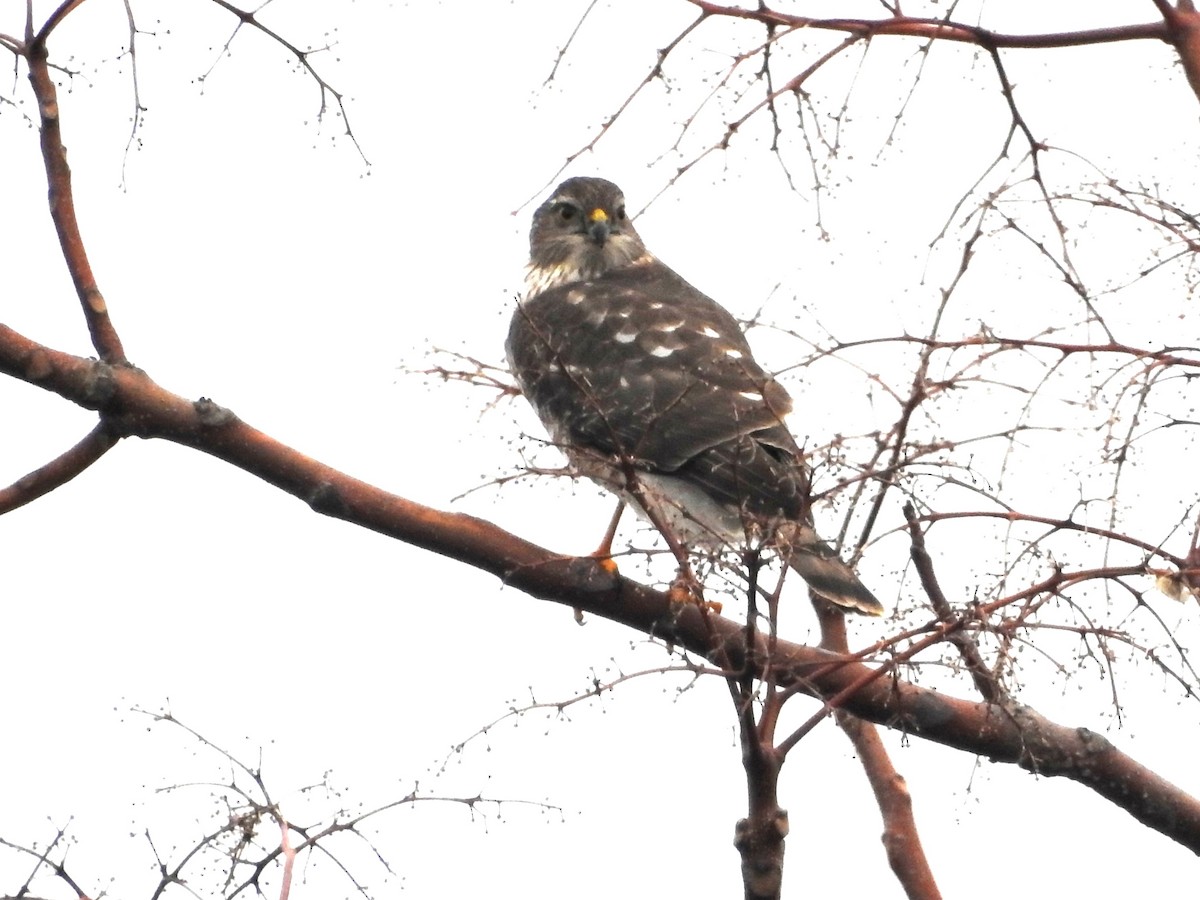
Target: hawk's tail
[{"x": 827, "y": 575}]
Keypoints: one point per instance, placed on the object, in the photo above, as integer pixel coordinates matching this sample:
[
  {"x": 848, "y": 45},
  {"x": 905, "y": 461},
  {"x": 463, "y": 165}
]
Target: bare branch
[
  {"x": 1183, "y": 24},
  {"x": 62, "y": 197},
  {"x": 247, "y": 17},
  {"x": 43, "y": 861},
  {"x": 940, "y": 29},
  {"x": 986, "y": 683},
  {"x": 138, "y": 108},
  {"x": 58, "y": 471},
  {"x": 132, "y": 403},
  {"x": 901, "y": 840}
]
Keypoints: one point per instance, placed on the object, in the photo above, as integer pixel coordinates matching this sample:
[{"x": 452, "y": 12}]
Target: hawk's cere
[{"x": 651, "y": 390}]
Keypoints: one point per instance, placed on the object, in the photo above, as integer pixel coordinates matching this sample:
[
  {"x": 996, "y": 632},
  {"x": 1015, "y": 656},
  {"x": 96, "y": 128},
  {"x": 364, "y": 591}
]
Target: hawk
[{"x": 651, "y": 390}]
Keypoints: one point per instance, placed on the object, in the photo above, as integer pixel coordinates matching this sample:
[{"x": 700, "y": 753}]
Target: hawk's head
[{"x": 580, "y": 233}]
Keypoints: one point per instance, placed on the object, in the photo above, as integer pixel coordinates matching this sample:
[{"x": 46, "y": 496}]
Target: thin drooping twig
[
  {"x": 654, "y": 73},
  {"x": 135, "y": 121},
  {"x": 43, "y": 861},
  {"x": 248, "y": 17}
]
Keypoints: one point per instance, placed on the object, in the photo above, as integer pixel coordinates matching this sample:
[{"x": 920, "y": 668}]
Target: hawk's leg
[
  {"x": 604, "y": 552},
  {"x": 686, "y": 587}
]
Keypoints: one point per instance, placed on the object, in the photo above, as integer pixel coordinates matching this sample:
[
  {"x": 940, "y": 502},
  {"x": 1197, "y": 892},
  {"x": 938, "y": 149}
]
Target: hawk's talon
[
  {"x": 687, "y": 589},
  {"x": 607, "y": 563},
  {"x": 683, "y": 594},
  {"x": 608, "y": 566}
]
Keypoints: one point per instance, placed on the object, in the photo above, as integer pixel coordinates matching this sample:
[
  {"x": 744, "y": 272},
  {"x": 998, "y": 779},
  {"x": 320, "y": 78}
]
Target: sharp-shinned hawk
[{"x": 650, "y": 389}]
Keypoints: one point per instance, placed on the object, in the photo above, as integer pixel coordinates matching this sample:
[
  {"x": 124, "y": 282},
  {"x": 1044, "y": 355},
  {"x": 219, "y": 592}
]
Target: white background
[{"x": 249, "y": 255}]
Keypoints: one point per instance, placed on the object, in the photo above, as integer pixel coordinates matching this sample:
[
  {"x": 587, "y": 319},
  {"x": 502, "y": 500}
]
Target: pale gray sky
[{"x": 251, "y": 258}]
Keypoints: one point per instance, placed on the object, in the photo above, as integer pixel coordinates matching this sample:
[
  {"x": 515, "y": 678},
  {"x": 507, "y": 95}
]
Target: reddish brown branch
[
  {"x": 901, "y": 840},
  {"x": 1179, "y": 27},
  {"x": 133, "y": 404},
  {"x": 58, "y": 471},
  {"x": 62, "y": 200},
  {"x": 759, "y": 838},
  {"x": 1183, "y": 26},
  {"x": 941, "y": 29},
  {"x": 56, "y": 18}
]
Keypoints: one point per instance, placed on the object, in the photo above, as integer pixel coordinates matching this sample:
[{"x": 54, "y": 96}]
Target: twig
[{"x": 986, "y": 683}]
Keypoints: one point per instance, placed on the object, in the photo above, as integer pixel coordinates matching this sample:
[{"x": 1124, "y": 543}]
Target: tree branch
[
  {"x": 901, "y": 840},
  {"x": 62, "y": 199},
  {"x": 58, "y": 471},
  {"x": 1183, "y": 31},
  {"x": 131, "y": 403},
  {"x": 985, "y": 680},
  {"x": 941, "y": 29}
]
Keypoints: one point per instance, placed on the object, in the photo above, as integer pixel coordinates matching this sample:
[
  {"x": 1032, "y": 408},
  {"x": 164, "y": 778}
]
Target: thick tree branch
[
  {"x": 901, "y": 839},
  {"x": 131, "y": 403},
  {"x": 1183, "y": 31}
]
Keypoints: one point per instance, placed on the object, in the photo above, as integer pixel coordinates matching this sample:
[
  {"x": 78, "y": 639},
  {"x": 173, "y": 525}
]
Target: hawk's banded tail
[{"x": 824, "y": 571}]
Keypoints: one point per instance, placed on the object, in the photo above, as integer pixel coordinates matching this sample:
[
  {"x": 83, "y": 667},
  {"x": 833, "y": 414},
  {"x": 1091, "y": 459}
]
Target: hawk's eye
[
  {"x": 567, "y": 211},
  {"x": 620, "y": 214}
]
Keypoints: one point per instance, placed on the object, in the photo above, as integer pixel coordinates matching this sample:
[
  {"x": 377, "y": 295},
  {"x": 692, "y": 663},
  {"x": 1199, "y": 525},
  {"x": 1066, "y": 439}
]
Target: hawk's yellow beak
[{"x": 598, "y": 228}]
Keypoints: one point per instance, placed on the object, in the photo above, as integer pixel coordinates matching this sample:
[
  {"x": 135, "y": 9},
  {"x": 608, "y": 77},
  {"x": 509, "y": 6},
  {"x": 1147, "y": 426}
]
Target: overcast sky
[{"x": 249, "y": 254}]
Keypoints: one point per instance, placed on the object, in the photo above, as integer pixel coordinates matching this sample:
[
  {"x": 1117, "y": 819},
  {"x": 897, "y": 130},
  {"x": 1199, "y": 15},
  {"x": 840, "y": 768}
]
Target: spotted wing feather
[{"x": 639, "y": 363}]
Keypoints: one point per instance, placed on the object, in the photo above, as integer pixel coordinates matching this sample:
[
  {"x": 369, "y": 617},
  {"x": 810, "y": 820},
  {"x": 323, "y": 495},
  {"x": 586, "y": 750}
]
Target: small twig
[
  {"x": 246, "y": 17},
  {"x": 42, "y": 858},
  {"x": 135, "y": 121},
  {"x": 985, "y": 680}
]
